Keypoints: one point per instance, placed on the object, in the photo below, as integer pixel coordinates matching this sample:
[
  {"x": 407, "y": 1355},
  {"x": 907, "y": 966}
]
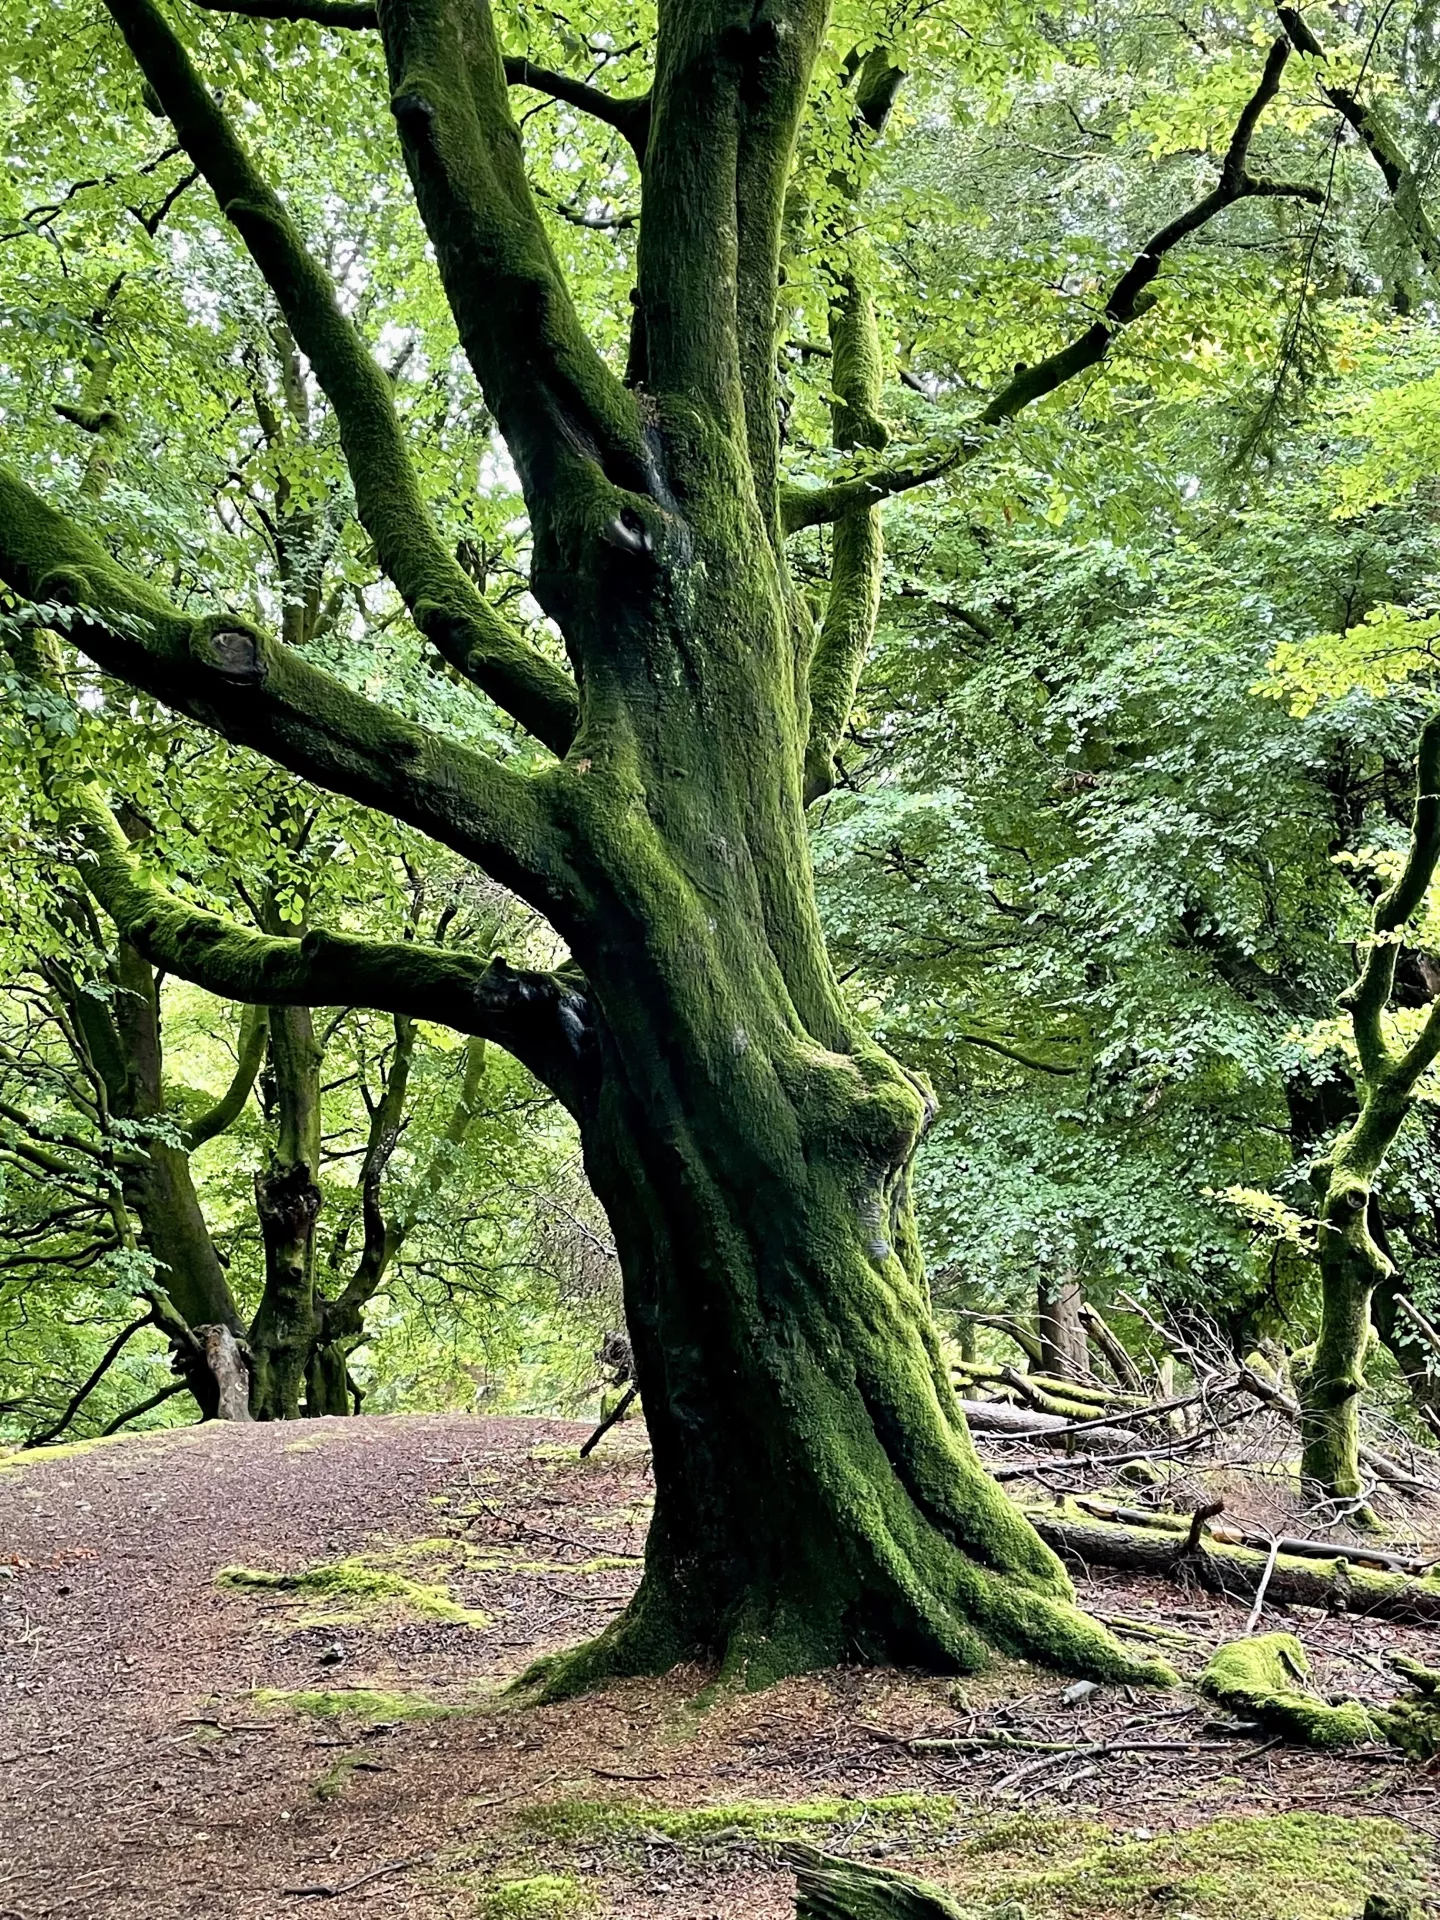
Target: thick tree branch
[
  {"x": 569, "y": 423},
  {"x": 1383, "y": 148},
  {"x": 254, "y": 1034},
  {"x": 1128, "y": 301},
  {"x": 540, "y": 1018},
  {"x": 629, "y": 115},
  {"x": 224, "y": 672},
  {"x": 775, "y": 75},
  {"x": 857, "y": 377},
  {"x": 442, "y": 599},
  {"x": 1368, "y": 999}
]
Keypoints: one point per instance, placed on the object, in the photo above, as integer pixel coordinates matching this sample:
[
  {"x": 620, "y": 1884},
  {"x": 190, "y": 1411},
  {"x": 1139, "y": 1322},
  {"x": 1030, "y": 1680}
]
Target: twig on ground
[{"x": 323, "y": 1892}]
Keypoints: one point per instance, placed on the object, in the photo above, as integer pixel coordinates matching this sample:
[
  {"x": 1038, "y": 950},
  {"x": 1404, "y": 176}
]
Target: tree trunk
[
  {"x": 124, "y": 1040},
  {"x": 287, "y": 1198},
  {"x": 1333, "y": 1379},
  {"x": 818, "y": 1497},
  {"x": 1064, "y": 1350},
  {"x": 1352, "y": 1264}
]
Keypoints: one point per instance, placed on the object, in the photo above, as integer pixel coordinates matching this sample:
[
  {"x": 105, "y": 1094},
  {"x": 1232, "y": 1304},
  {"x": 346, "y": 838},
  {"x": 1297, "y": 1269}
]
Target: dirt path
[{"x": 144, "y": 1774}]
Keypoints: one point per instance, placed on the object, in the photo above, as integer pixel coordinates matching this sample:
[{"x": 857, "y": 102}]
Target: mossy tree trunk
[
  {"x": 121, "y": 1042},
  {"x": 1351, "y": 1257},
  {"x": 817, "y": 1494},
  {"x": 287, "y": 1198}
]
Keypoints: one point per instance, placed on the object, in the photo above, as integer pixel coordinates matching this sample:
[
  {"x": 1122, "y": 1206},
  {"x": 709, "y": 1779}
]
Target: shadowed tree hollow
[{"x": 817, "y": 1495}]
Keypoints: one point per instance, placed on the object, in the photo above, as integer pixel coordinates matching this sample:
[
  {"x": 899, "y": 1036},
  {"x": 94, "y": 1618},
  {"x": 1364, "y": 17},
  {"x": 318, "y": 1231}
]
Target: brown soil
[{"x": 140, "y": 1778}]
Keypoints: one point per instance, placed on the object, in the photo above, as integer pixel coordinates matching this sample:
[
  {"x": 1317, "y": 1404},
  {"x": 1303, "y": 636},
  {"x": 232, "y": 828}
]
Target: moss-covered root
[
  {"x": 1265, "y": 1679},
  {"x": 829, "y": 1889}
]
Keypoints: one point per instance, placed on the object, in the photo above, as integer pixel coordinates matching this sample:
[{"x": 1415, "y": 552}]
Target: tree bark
[
  {"x": 287, "y": 1198},
  {"x": 1064, "y": 1350},
  {"x": 818, "y": 1497}
]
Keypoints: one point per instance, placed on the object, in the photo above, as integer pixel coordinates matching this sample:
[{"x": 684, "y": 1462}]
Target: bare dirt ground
[{"x": 145, "y": 1775}]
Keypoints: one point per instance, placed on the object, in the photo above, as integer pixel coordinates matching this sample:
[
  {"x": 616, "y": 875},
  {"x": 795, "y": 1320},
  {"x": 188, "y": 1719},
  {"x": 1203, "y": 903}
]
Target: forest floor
[{"x": 175, "y": 1745}]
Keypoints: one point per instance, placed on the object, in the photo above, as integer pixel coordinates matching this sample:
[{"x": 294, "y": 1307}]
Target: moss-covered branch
[
  {"x": 540, "y": 1018},
  {"x": 1129, "y": 299},
  {"x": 470, "y": 634},
  {"x": 254, "y": 1032},
  {"x": 1379, "y": 141},
  {"x": 566, "y": 419},
  {"x": 776, "y": 67},
  {"x": 857, "y": 378},
  {"x": 222, "y": 671}
]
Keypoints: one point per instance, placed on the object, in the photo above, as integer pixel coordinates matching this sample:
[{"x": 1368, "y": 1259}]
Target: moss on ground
[
  {"x": 1291, "y": 1866},
  {"x": 545, "y": 1896},
  {"x": 364, "y": 1703},
  {"x": 1266, "y": 1677},
  {"x": 580, "y": 1822},
  {"x": 331, "y": 1783},
  {"x": 12, "y": 1459},
  {"x": 365, "y": 1585}
]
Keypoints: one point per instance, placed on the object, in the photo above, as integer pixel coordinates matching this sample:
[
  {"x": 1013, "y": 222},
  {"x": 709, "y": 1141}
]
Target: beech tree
[{"x": 817, "y": 1495}]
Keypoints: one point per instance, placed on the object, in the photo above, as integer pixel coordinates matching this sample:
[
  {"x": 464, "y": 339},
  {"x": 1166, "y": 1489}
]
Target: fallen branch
[
  {"x": 1046, "y": 1429},
  {"x": 1114, "y": 1349},
  {"x": 1231, "y": 1537},
  {"x": 616, "y": 1413},
  {"x": 1265, "y": 1578}
]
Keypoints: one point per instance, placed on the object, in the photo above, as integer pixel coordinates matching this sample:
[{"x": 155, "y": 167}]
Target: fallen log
[
  {"x": 1045, "y": 1429},
  {"x": 1337, "y": 1585},
  {"x": 1357, "y": 1553}
]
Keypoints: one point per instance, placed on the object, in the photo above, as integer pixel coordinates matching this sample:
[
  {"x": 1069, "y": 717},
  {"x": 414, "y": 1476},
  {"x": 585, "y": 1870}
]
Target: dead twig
[
  {"x": 1260, "y": 1591},
  {"x": 322, "y": 1892}
]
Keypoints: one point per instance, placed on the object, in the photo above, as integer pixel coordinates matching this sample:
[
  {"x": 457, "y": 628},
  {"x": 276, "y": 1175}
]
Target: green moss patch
[
  {"x": 1266, "y": 1677},
  {"x": 365, "y": 1586},
  {"x": 546, "y": 1896},
  {"x": 767, "y": 1822},
  {"x": 1292, "y": 1866},
  {"x": 364, "y": 1703}
]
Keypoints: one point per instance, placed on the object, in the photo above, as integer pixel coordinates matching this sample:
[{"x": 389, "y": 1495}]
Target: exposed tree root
[{"x": 1267, "y": 1677}]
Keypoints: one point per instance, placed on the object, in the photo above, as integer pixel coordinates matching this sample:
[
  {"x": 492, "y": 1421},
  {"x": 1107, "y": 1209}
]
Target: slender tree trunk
[
  {"x": 1064, "y": 1349},
  {"x": 287, "y": 1196},
  {"x": 1352, "y": 1263}
]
